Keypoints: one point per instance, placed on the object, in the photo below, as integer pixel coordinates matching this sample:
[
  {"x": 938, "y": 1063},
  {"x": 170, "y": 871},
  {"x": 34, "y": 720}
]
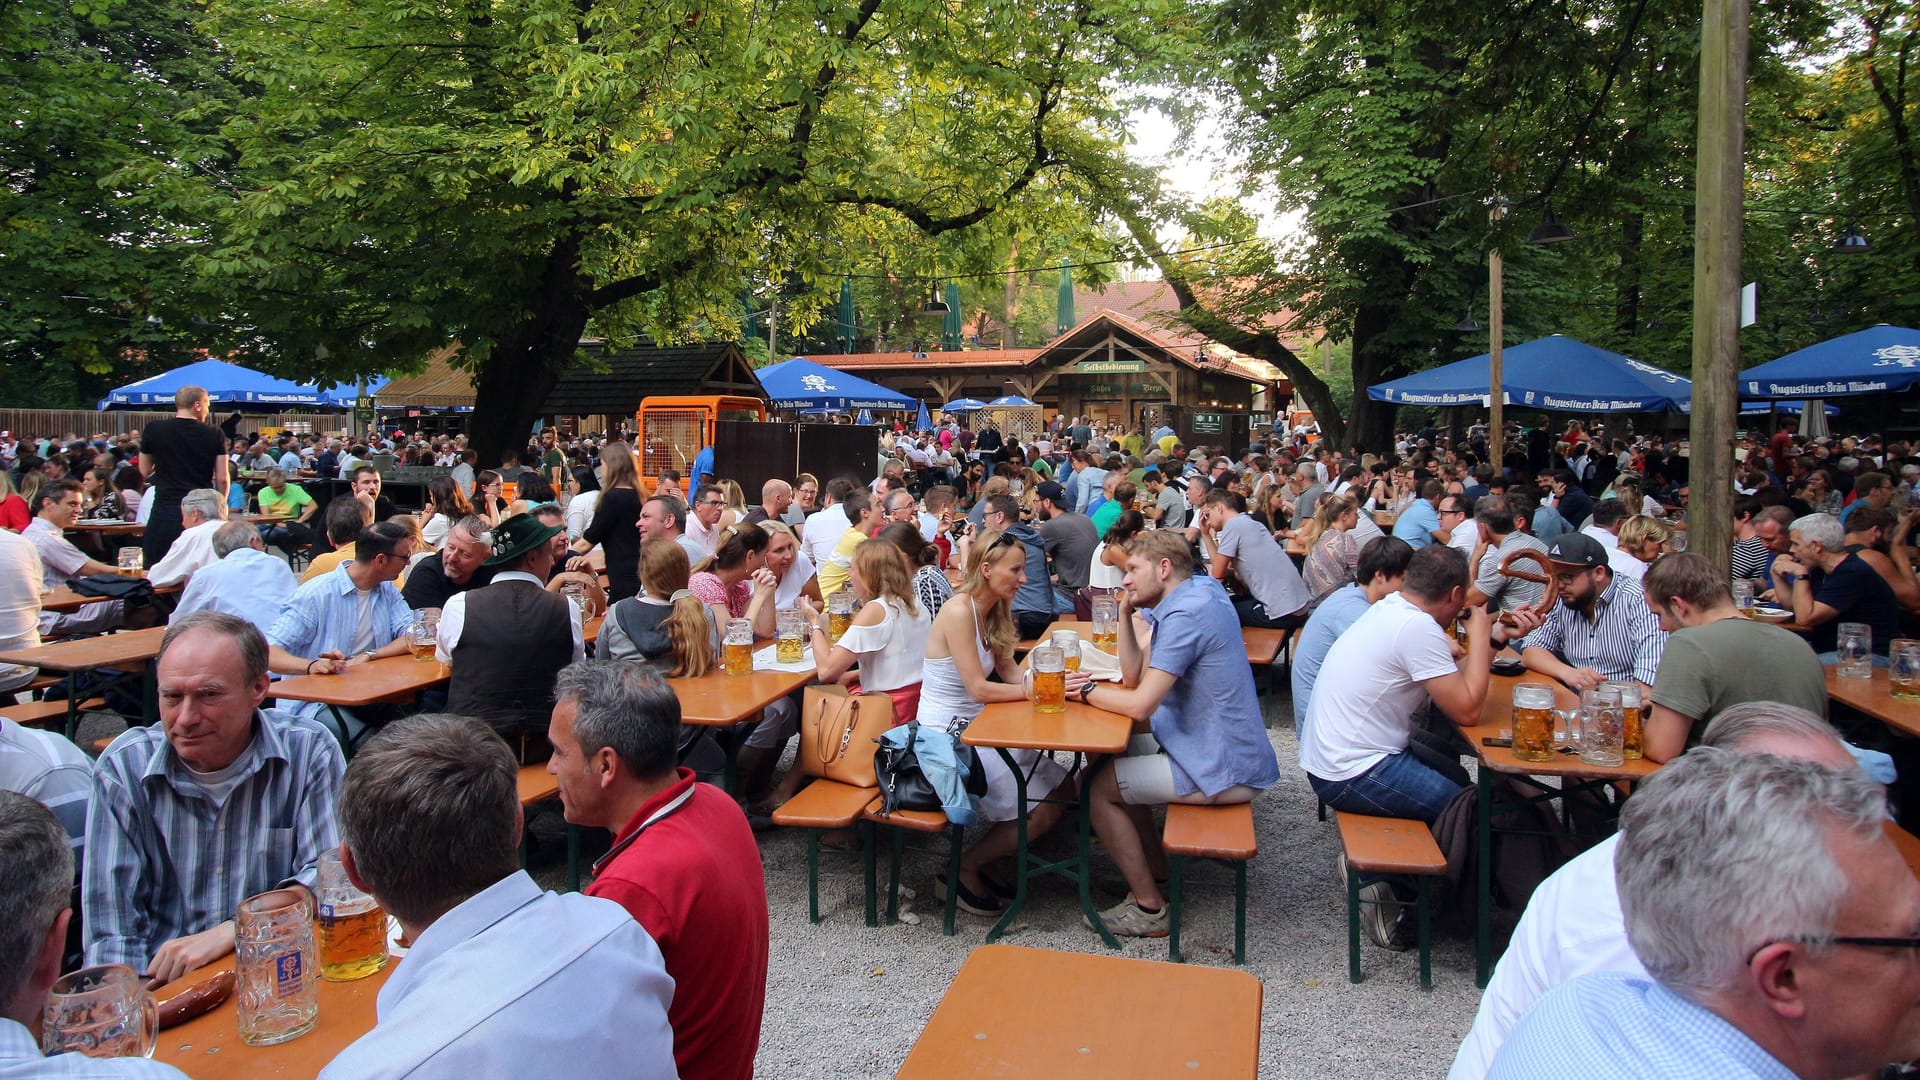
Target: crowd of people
[{"x": 1384, "y": 570}]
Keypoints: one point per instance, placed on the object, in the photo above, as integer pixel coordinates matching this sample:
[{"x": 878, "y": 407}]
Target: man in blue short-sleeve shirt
[
  {"x": 1418, "y": 523},
  {"x": 1209, "y": 743}
]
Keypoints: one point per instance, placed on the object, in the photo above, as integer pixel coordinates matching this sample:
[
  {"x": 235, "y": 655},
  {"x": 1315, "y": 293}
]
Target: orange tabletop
[
  {"x": 1263, "y": 646},
  {"x": 1099, "y": 1016},
  {"x": 119, "y": 650},
  {"x": 1295, "y": 548},
  {"x": 717, "y": 699},
  {"x": 1496, "y": 717},
  {"x": 388, "y": 679},
  {"x": 209, "y": 1047},
  {"x": 108, "y": 528},
  {"x": 1081, "y": 729},
  {"x": 1872, "y": 696}
]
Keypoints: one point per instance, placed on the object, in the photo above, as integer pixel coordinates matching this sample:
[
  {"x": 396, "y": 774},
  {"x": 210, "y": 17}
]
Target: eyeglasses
[
  {"x": 1862, "y": 942},
  {"x": 1460, "y": 512},
  {"x": 712, "y": 503}
]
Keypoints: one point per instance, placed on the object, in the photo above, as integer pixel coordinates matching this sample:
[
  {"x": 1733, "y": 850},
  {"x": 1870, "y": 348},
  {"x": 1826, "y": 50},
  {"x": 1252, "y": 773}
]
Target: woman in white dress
[{"x": 973, "y": 637}]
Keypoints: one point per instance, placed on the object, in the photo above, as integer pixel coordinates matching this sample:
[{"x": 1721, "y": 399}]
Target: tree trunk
[{"x": 511, "y": 385}]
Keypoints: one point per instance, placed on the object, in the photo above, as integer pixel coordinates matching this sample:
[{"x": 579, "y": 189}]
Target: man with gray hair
[
  {"x": 1851, "y": 590},
  {"x": 218, "y": 801},
  {"x": 36, "y": 883},
  {"x": 1572, "y": 925},
  {"x": 245, "y": 581},
  {"x": 503, "y": 979},
  {"x": 459, "y": 565},
  {"x": 201, "y": 512},
  {"x": 683, "y": 861}
]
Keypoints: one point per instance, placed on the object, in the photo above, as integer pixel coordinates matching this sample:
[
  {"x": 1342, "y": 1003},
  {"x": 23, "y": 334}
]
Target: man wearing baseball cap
[
  {"x": 1601, "y": 629},
  {"x": 507, "y": 640},
  {"x": 1068, "y": 536}
]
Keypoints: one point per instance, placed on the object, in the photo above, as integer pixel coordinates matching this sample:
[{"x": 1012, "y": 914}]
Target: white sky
[{"x": 1211, "y": 168}]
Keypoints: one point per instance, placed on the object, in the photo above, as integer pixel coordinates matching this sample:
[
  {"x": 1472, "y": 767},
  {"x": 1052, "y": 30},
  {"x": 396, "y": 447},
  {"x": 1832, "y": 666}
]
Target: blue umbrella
[
  {"x": 865, "y": 417},
  {"x": 1010, "y": 401},
  {"x": 1881, "y": 360},
  {"x": 796, "y": 385},
  {"x": 1555, "y": 373},
  {"x": 1792, "y": 408},
  {"x": 226, "y": 384},
  {"x": 961, "y": 405},
  {"x": 922, "y": 422}
]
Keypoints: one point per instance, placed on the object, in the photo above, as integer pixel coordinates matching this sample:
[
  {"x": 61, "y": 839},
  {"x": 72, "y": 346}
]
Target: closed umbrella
[
  {"x": 950, "y": 323},
  {"x": 922, "y": 422},
  {"x": 846, "y": 330},
  {"x": 1065, "y": 315}
]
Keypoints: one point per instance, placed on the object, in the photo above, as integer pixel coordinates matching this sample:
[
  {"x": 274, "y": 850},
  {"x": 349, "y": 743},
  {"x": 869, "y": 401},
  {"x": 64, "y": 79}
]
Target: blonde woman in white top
[{"x": 888, "y": 636}]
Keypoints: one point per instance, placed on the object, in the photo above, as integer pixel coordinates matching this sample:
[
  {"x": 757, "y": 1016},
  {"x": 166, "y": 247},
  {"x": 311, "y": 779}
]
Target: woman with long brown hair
[
  {"x": 669, "y": 628},
  {"x": 445, "y": 505},
  {"x": 735, "y": 582},
  {"x": 930, "y": 585},
  {"x": 973, "y": 636},
  {"x": 1332, "y": 553}
]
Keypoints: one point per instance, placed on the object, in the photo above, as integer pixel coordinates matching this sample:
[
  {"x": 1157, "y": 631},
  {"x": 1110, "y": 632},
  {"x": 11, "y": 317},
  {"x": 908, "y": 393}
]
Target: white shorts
[{"x": 1145, "y": 776}]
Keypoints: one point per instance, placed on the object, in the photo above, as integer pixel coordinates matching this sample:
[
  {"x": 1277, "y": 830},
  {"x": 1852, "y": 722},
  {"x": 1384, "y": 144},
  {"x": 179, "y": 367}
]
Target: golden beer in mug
[
  {"x": 837, "y": 623},
  {"x": 1630, "y": 732},
  {"x": 1533, "y": 722},
  {"x": 352, "y": 940},
  {"x": 422, "y": 650},
  {"x": 790, "y": 650},
  {"x": 1050, "y": 691},
  {"x": 736, "y": 659}
]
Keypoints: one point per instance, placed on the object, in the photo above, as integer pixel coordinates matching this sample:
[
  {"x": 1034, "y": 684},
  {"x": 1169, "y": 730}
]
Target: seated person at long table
[
  {"x": 1601, "y": 629},
  {"x": 347, "y": 616},
  {"x": 246, "y": 581},
  {"x": 1209, "y": 743},
  {"x": 55, "y": 506},
  {"x": 220, "y": 800}
]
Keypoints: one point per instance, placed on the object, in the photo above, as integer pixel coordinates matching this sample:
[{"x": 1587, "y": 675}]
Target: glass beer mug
[
  {"x": 1903, "y": 663},
  {"x": 1601, "y": 731},
  {"x": 1049, "y": 680},
  {"x": 277, "y": 992},
  {"x": 1106, "y": 623},
  {"x": 839, "y": 614},
  {"x": 100, "y": 1012},
  {"x": 351, "y": 928},
  {"x": 790, "y": 644},
  {"x": 1068, "y": 642},
  {"x": 1631, "y": 717},
  {"x": 1533, "y": 722},
  {"x": 736, "y": 656},
  {"x": 424, "y": 634},
  {"x": 1854, "y": 648}
]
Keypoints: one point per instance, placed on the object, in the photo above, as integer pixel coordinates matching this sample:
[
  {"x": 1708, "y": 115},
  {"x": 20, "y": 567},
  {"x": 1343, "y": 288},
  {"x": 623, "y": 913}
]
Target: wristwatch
[
  {"x": 1086, "y": 691},
  {"x": 368, "y": 654}
]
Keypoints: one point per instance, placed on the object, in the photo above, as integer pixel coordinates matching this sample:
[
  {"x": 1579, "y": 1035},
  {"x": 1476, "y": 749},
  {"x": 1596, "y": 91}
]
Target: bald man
[{"x": 775, "y": 497}]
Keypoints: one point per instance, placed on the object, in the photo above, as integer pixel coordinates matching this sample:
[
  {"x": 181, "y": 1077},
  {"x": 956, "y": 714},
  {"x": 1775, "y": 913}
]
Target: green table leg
[
  {"x": 1078, "y": 868},
  {"x": 1483, "y": 858}
]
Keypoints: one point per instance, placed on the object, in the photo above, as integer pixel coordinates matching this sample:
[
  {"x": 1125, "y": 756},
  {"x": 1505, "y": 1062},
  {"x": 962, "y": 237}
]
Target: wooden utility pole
[
  {"x": 1716, "y": 278},
  {"x": 1496, "y": 335}
]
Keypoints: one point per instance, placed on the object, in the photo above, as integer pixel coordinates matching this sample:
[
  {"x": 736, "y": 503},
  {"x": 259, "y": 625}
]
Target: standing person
[
  {"x": 683, "y": 861},
  {"x": 615, "y": 524},
  {"x": 502, "y": 979},
  {"x": 179, "y": 454}
]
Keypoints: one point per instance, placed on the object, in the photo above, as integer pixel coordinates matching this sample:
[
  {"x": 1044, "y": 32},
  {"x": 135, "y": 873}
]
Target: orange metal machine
[{"x": 672, "y": 431}]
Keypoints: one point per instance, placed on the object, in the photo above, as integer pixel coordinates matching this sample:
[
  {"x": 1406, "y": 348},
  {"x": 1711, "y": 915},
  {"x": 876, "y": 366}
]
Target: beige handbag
[{"x": 838, "y": 732}]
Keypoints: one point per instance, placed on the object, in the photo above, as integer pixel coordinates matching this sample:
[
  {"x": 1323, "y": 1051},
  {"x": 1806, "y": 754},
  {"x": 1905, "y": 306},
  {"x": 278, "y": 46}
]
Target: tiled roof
[{"x": 647, "y": 369}]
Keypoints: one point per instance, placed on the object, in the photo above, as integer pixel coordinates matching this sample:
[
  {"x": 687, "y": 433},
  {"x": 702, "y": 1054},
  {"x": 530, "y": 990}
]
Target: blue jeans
[{"x": 1399, "y": 785}]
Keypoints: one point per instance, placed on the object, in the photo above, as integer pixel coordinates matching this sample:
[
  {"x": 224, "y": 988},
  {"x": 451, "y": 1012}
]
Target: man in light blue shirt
[
  {"x": 1209, "y": 744},
  {"x": 1382, "y": 567},
  {"x": 1419, "y": 523},
  {"x": 1776, "y": 921},
  {"x": 245, "y": 581},
  {"x": 36, "y": 882},
  {"x": 502, "y": 978},
  {"x": 346, "y": 616}
]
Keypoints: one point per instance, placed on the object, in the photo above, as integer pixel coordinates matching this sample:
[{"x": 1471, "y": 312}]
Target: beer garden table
[
  {"x": 1020, "y": 1012},
  {"x": 388, "y": 680},
  {"x": 1005, "y": 726},
  {"x": 719, "y": 700},
  {"x": 108, "y": 651},
  {"x": 209, "y": 1048},
  {"x": 1263, "y": 646},
  {"x": 1873, "y": 696},
  {"x": 1575, "y": 776},
  {"x": 65, "y": 599}
]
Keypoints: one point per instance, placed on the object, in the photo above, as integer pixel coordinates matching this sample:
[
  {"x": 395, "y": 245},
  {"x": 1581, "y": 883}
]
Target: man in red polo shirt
[{"x": 683, "y": 861}]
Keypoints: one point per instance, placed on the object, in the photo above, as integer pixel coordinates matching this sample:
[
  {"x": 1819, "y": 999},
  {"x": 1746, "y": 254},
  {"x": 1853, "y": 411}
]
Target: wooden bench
[
  {"x": 1264, "y": 646},
  {"x": 1209, "y": 832},
  {"x": 923, "y": 821},
  {"x": 37, "y": 714},
  {"x": 1385, "y": 845},
  {"x": 537, "y": 786},
  {"x": 829, "y": 804}
]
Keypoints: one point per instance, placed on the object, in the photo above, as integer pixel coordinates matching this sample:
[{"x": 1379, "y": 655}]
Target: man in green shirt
[
  {"x": 1124, "y": 492},
  {"x": 553, "y": 460},
  {"x": 291, "y": 504}
]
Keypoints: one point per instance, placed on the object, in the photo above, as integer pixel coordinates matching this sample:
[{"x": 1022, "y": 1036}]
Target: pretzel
[{"x": 1546, "y": 577}]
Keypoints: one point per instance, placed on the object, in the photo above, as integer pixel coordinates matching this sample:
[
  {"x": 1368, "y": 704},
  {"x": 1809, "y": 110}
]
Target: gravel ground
[{"x": 844, "y": 1000}]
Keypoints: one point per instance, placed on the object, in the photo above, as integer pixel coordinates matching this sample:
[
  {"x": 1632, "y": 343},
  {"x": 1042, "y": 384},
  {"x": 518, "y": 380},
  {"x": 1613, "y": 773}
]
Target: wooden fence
[{"x": 55, "y": 423}]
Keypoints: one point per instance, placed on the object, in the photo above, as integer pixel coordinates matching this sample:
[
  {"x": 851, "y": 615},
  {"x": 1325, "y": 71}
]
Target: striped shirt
[
  {"x": 1623, "y": 640},
  {"x": 51, "y": 771},
  {"x": 324, "y": 615},
  {"x": 168, "y": 857},
  {"x": 1613, "y": 1026}
]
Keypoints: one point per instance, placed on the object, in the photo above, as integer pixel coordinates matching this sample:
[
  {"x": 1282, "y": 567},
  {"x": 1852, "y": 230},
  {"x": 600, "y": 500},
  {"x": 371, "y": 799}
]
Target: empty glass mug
[
  {"x": 277, "y": 992},
  {"x": 1601, "y": 727},
  {"x": 101, "y": 1012},
  {"x": 1106, "y": 623},
  {"x": 1853, "y": 647}
]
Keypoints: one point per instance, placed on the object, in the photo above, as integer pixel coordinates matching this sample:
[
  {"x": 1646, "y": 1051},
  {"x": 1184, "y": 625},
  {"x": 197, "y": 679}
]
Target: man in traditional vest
[{"x": 506, "y": 641}]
